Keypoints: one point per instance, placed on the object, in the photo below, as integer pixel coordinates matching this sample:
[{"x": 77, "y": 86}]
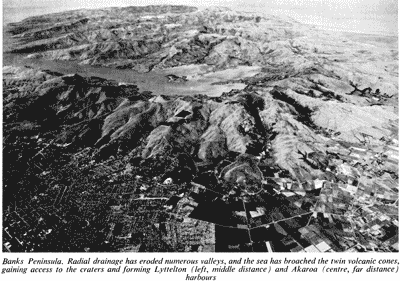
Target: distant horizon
[{"x": 367, "y": 17}]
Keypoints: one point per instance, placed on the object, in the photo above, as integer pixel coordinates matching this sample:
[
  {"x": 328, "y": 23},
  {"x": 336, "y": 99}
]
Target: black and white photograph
[{"x": 200, "y": 126}]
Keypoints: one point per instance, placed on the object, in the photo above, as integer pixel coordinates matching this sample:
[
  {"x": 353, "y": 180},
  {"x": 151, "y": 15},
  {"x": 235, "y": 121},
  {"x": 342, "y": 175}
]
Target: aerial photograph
[{"x": 200, "y": 126}]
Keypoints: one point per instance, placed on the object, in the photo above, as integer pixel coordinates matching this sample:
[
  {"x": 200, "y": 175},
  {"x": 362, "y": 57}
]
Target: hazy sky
[
  {"x": 339, "y": 6},
  {"x": 379, "y": 15}
]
